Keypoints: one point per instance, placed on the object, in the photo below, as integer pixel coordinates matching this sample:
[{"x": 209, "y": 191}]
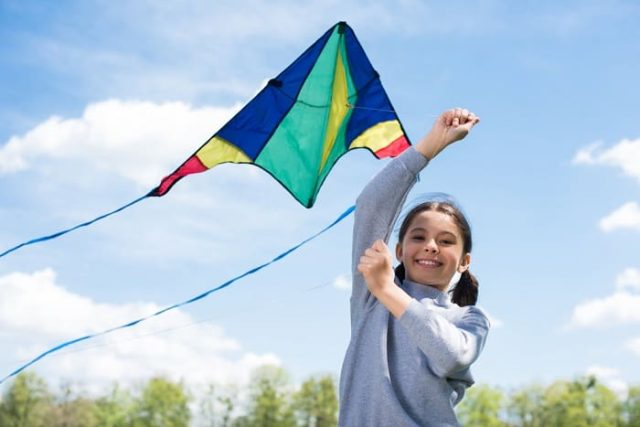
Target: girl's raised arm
[{"x": 378, "y": 206}]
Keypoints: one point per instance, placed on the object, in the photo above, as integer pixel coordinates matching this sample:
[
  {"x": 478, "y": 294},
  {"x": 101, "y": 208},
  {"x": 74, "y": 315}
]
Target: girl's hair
[{"x": 466, "y": 291}]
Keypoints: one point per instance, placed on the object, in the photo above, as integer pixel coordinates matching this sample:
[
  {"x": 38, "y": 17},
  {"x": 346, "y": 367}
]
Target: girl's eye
[
  {"x": 418, "y": 238},
  {"x": 447, "y": 242}
]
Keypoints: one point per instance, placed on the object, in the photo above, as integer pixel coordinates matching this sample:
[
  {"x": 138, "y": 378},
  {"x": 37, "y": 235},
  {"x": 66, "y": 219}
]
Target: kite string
[
  {"x": 84, "y": 224},
  {"x": 342, "y": 216},
  {"x": 266, "y": 304}
]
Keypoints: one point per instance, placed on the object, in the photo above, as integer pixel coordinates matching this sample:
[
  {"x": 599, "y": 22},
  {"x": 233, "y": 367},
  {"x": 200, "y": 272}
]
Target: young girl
[{"x": 411, "y": 343}]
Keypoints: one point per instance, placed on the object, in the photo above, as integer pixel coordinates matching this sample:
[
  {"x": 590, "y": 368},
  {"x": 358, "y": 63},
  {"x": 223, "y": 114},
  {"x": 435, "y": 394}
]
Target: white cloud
[
  {"x": 137, "y": 140},
  {"x": 37, "y": 313},
  {"x": 342, "y": 282},
  {"x": 619, "y": 308},
  {"x": 626, "y": 216},
  {"x": 633, "y": 345},
  {"x": 624, "y": 155},
  {"x": 584, "y": 156},
  {"x": 629, "y": 279},
  {"x": 611, "y": 378}
]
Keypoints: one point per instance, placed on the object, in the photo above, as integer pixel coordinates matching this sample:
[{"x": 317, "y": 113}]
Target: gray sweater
[{"x": 413, "y": 370}]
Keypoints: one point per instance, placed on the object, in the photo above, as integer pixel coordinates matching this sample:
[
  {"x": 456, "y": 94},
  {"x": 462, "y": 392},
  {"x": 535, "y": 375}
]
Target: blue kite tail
[
  {"x": 84, "y": 224},
  {"x": 253, "y": 270}
]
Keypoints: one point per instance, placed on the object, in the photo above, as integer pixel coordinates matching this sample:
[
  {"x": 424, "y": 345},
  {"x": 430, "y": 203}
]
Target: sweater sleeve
[
  {"x": 377, "y": 208},
  {"x": 449, "y": 347}
]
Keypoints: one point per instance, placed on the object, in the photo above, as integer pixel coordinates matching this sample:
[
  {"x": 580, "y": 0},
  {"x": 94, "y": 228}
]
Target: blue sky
[{"x": 99, "y": 100}]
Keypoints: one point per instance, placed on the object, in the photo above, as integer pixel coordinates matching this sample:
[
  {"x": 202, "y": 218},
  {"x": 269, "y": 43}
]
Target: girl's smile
[{"x": 428, "y": 263}]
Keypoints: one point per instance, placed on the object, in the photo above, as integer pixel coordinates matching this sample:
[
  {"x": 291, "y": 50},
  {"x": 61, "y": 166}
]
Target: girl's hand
[
  {"x": 376, "y": 265},
  {"x": 451, "y": 126}
]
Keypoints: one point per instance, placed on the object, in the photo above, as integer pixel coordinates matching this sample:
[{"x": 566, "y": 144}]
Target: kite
[{"x": 327, "y": 102}]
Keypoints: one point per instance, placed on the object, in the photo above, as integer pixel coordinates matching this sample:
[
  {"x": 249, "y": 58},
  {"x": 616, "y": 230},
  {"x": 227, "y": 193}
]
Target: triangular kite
[{"x": 327, "y": 102}]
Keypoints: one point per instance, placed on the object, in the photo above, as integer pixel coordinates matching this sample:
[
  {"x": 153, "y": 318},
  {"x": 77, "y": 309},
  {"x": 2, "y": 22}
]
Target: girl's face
[{"x": 431, "y": 250}]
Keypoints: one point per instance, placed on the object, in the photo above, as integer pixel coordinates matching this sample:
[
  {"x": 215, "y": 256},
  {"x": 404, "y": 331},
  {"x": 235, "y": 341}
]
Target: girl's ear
[
  {"x": 399, "y": 251},
  {"x": 465, "y": 263}
]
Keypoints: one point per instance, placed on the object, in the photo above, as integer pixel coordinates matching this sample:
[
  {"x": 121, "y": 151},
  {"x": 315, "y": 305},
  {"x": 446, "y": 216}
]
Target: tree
[
  {"x": 269, "y": 404},
  {"x": 316, "y": 403},
  {"x": 72, "y": 411},
  {"x": 26, "y": 403},
  {"x": 525, "y": 406},
  {"x": 631, "y": 407},
  {"x": 162, "y": 404},
  {"x": 580, "y": 403},
  {"x": 603, "y": 406},
  {"x": 115, "y": 409},
  {"x": 481, "y": 406},
  {"x": 217, "y": 405}
]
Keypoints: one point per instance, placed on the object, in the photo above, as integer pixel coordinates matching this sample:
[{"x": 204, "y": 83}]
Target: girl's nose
[{"x": 431, "y": 246}]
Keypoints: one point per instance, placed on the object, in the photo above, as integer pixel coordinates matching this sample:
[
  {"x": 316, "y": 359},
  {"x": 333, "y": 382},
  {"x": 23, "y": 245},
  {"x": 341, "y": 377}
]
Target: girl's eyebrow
[
  {"x": 422, "y": 229},
  {"x": 448, "y": 232}
]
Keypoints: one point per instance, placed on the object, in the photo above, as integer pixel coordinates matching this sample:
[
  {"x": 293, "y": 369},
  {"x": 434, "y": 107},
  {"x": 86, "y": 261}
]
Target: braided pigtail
[
  {"x": 400, "y": 272},
  {"x": 466, "y": 291}
]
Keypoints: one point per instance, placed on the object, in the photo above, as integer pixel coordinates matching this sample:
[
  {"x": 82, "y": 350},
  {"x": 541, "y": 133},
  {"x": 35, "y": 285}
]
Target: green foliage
[
  {"x": 631, "y": 407},
  {"x": 525, "y": 407},
  {"x": 26, "y": 403},
  {"x": 481, "y": 406},
  {"x": 162, "y": 404},
  {"x": 70, "y": 411},
  {"x": 316, "y": 403},
  {"x": 580, "y": 403},
  {"x": 270, "y": 404},
  {"x": 218, "y": 405},
  {"x": 115, "y": 409},
  {"x": 271, "y": 400}
]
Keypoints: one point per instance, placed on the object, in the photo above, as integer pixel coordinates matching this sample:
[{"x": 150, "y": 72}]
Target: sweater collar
[{"x": 420, "y": 291}]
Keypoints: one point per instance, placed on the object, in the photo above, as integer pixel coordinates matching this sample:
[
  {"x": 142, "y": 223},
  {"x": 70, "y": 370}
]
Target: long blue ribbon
[
  {"x": 84, "y": 224},
  {"x": 342, "y": 216}
]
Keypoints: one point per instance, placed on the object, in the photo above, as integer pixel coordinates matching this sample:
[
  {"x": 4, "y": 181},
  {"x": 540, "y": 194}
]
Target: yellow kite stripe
[
  {"x": 379, "y": 136},
  {"x": 219, "y": 151},
  {"x": 338, "y": 110}
]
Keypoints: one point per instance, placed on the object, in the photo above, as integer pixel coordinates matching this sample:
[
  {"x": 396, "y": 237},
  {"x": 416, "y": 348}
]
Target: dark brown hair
[{"x": 466, "y": 291}]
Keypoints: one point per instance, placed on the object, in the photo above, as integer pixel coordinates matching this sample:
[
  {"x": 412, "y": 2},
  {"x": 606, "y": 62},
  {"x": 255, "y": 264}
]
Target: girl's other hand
[
  {"x": 451, "y": 126},
  {"x": 376, "y": 265}
]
